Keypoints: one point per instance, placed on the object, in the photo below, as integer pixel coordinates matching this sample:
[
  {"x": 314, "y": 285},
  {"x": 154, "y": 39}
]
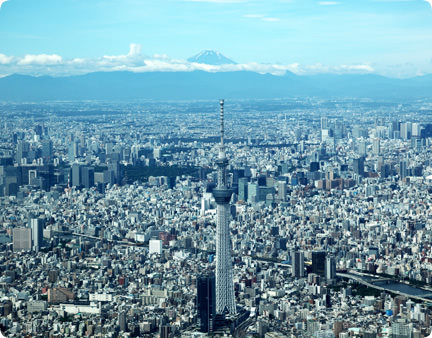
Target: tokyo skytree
[{"x": 225, "y": 299}]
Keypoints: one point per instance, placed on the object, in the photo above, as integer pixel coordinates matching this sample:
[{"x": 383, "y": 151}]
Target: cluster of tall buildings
[{"x": 312, "y": 223}]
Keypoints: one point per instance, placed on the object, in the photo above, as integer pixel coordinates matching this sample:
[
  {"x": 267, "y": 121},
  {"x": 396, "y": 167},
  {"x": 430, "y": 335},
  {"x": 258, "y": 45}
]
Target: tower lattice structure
[{"x": 225, "y": 299}]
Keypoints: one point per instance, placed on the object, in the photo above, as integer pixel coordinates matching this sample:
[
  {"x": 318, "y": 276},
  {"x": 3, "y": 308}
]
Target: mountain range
[{"x": 208, "y": 85}]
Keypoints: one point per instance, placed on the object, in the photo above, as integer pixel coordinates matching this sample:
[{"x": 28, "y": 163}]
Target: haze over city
[{"x": 216, "y": 168}]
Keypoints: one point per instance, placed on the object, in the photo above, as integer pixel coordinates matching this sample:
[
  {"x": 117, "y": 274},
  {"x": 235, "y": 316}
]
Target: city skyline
[
  {"x": 115, "y": 218},
  {"x": 387, "y": 37},
  {"x": 131, "y": 206}
]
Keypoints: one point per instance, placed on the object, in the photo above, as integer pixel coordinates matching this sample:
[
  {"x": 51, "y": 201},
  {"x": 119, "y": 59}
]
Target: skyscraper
[
  {"x": 282, "y": 190},
  {"x": 73, "y": 151},
  {"x": 318, "y": 262},
  {"x": 358, "y": 166},
  {"x": 22, "y": 150},
  {"x": 206, "y": 302},
  {"x": 406, "y": 130},
  {"x": 37, "y": 232},
  {"x": 324, "y": 122},
  {"x": 225, "y": 301},
  {"x": 252, "y": 192},
  {"x": 87, "y": 177},
  {"x": 242, "y": 189},
  {"x": 76, "y": 175},
  {"x": 403, "y": 169},
  {"x": 122, "y": 321},
  {"x": 297, "y": 258},
  {"x": 376, "y": 146},
  {"x": 330, "y": 267},
  {"x": 22, "y": 239},
  {"x": 47, "y": 149}
]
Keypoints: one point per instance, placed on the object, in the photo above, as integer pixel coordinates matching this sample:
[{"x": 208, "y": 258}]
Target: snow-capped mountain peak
[{"x": 210, "y": 57}]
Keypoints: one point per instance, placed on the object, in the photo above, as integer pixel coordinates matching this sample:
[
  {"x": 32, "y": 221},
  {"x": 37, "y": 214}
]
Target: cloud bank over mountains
[{"x": 136, "y": 61}]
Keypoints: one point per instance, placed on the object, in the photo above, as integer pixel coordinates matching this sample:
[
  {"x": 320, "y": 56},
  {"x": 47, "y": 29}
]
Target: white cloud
[
  {"x": 329, "y": 3},
  {"x": 40, "y": 59},
  {"x": 171, "y": 65},
  {"x": 319, "y": 68},
  {"x": 133, "y": 54},
  {"x": 429, "y": 2},
  {"x": 163, "y": 63},
  {"x": 261, "y": 17},
  {"x": 356, "y": 68},
  {"x": 2, "y": 2},
  {"x": 78, "y": 61},
  {"x": 4, "y": 59},
  {"x": 134, "y": 49},
  {"x": 134, "y": 61}
]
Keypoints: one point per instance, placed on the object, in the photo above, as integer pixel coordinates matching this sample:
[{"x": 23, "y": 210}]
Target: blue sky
[{"x": 390, "y": 37}]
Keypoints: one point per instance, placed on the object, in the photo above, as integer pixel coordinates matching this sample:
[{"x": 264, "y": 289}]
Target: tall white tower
[{"x": 225, "y": 300}]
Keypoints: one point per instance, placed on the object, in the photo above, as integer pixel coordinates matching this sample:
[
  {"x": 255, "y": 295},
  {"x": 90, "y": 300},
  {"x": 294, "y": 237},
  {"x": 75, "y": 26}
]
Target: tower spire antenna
[{"x": 222, "y": 131}]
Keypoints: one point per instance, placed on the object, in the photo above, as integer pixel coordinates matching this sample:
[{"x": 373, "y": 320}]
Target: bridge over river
[{"x": 389, "y": 285}]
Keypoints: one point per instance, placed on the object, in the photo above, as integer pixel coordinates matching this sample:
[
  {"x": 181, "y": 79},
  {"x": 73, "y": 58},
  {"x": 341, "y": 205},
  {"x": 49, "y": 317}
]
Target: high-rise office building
[
  {"x": 109, "y": 148},
  {"x": 339, "y": 130},
  {"x": 318, "y": 262},
  {"x": 116, "y": 171},
  {"x": 243, "y": 189},
  {"x": 403, "y": 169},
  {"x": 358, "y": 166},
  {"x": 76, "y": 175},
  {"x": 282, "y": 190},
  {"x": 297, "y": 258},
  {"x": 405, "y": 130},
  {"x": 87, "y": 177},
  {"x": 122, "y": 321},
  {"x": 376, "y": 146},
  {"x": 252, "y": 192},
  {"x": 73, "y": 151},
  {"x": 47, "y": 149},
  {"x": 325, "y": 132},
  {"x": 330, "y": 268},
  {"x": 359, "y": 131},
  {"x": 22, "y": 151},
  {"x": 164, "y": 331},
  {"x": 324, "y": 122},
  {"x": 22, "y": 239},
  {"x": 416, "y": 129},
  {"x": 206, "y": 302},
  {"x": 394, "y": 129},
  {"x": 362, "y": 148},
  {"x": 36, "y": 225},
  {"x": 225, "y": 299}
]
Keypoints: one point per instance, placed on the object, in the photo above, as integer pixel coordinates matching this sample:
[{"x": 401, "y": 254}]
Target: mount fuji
[{"x": 211, "y": 57}]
